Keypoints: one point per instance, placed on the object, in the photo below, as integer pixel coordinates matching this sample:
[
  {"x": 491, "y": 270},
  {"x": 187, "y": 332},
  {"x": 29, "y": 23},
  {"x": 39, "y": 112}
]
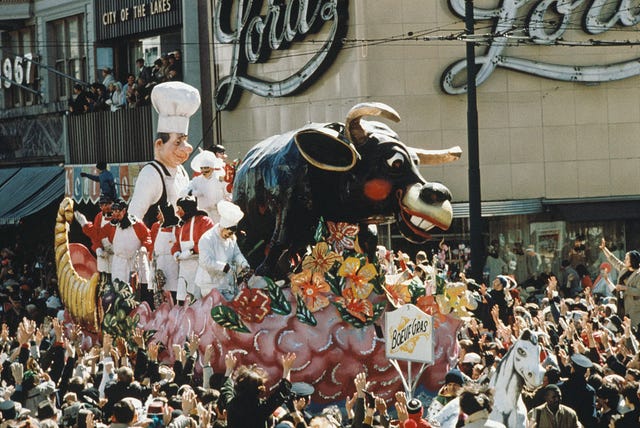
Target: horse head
[{"x": 526, "y": 359}]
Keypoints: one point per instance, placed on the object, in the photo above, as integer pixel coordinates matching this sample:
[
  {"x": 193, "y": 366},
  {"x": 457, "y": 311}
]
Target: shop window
[
  {"x": 68, "y": 53},
  {"x": 17, "y": 68}
]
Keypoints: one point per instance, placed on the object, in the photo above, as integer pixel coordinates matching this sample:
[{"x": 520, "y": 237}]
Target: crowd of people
[{"x": 110, "y": 94}]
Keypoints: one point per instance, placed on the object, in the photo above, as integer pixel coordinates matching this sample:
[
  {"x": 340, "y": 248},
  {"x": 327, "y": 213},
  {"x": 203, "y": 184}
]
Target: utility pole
[{"x": 475, "y": 207}]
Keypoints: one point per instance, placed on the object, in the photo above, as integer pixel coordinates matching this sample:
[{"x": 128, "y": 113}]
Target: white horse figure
[{"x": 519, "y": 367}]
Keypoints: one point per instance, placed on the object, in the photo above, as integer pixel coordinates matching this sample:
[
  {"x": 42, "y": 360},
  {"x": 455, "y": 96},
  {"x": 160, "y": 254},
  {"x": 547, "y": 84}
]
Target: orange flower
[
  {"x": 321, "y": 258},
  {"x": 312, "y": 289},
  {"x": 342, "y": 235},
  {"x": 428, "y": 305},
  {"x": 358, "y": 278},
  {"x": 359, "y": 308},
  {"x": 251, "y": 305},
  {"x": 398, "y": 294}
]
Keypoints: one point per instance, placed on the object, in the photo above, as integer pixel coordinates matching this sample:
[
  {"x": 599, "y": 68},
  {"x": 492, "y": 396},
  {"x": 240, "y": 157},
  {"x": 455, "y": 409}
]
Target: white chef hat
[
  {"x": 230, "y": 213},
  {"x": 206, "y": 158},
  {"x": 175, "y": 103}
]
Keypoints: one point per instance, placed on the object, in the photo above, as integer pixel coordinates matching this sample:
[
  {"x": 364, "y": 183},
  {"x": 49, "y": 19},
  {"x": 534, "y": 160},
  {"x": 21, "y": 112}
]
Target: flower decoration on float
[{"x": 335, "y": 275}]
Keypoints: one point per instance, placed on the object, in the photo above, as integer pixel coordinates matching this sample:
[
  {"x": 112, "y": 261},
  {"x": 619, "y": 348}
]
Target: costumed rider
[
  {"x": 209, "y": 187},
  {"x": 131, "y": 247},
  {"x": 163, "y": 236},
  {"x": 101, "y": 232},
  {"x": 221, "y": 261},
  {"x": 194, "y": 223},
  {"x": 165, "y": 179}
]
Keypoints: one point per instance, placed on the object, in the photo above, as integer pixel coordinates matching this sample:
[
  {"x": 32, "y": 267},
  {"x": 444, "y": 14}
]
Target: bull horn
[
  {"x": 353, "y": 128},
  {"x": 436, "y": 157}
]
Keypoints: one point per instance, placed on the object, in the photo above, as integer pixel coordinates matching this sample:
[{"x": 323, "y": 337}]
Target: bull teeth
[{"x": 421, "y": 223}]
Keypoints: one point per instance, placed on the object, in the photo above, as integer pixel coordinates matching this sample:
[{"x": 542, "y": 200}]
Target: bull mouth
[{"x": 416, "y": 217}]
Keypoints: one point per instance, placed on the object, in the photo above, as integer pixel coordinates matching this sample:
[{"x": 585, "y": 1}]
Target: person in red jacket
[
  {"x": 194, "y": 223},
  {"x": 101, "y": 232},
  {"x": 131, "y": 247}
]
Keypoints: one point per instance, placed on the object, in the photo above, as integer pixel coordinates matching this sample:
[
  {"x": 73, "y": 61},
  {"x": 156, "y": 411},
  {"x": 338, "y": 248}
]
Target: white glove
[
  {"x": 99, "y": 252},
  {"x": 80, "y": 218},
  {"x": 176, "y": 255},
  {"x": 186, "y": 255}
]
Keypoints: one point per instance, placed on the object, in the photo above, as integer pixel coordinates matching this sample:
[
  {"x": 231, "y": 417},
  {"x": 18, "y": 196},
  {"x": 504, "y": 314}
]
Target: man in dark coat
[{"x": 577, "y": 393}]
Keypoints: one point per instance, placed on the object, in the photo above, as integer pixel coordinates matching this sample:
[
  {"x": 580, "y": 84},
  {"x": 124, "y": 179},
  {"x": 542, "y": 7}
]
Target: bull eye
[{"x": 396, "y": 161}]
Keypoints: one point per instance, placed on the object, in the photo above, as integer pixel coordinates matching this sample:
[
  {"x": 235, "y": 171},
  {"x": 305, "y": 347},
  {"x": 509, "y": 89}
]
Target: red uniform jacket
[
  {"x": 201, "y": 225},
  {"x": 96, "y": 232}
]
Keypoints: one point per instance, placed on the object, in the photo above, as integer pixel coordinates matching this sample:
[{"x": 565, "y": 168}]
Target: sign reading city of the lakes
[
  {"x": 254, "y": 34},
  {"x": 532, "y": 18},
  {"x": 82, "y": 189},
  {"x": 409, "y": 334}
]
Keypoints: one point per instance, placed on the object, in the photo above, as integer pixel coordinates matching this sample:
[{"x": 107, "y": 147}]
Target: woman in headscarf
[{"x": 628, "y": 281}]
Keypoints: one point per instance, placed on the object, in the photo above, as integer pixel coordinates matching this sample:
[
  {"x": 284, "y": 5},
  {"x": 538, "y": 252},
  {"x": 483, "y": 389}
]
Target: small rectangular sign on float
[{"x": 409, "y": 335}]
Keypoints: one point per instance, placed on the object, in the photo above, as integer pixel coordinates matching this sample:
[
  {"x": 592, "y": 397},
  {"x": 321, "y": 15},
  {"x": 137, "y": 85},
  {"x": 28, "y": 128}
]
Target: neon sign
[
  {"x": 598, "y": 16},
  {"x": 255, "y": 36}
]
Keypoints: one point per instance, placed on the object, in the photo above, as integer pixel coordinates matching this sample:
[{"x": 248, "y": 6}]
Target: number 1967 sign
[
  {"x": 14, "y": 71},
  {"x": 409, "y": 335}
]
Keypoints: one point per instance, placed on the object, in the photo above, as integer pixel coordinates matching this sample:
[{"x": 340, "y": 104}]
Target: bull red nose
[{"x": 377, "y": 189}]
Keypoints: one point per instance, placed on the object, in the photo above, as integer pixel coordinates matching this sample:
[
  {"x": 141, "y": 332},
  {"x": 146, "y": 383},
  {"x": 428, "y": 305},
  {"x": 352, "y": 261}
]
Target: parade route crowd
[{"x": 589, "y": 351}]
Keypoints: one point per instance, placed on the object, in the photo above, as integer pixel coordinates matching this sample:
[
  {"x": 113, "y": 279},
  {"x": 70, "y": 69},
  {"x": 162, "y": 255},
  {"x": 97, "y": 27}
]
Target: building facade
[{"x": 557, "y": 96}]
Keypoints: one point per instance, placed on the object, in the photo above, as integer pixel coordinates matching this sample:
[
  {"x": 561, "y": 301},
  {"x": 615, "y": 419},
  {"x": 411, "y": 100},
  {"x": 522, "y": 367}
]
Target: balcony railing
[{"x": 122, "y": 136}]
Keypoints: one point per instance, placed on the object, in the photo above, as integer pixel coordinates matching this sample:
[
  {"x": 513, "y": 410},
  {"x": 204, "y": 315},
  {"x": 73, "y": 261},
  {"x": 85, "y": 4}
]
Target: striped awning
[{"x": 24, "y": 191}]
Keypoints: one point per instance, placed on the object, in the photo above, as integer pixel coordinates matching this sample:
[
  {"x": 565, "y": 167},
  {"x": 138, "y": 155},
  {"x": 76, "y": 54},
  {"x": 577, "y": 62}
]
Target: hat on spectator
[
  {"x": 414, "y": 406},
  {"x": 471, "y": 358},
  {"x": 581, "y": 361},
  {"x": 302, "y": 389},
  {"x": 616, "y": 366},
  {"x": 45, "y": 410},
  {"x": 12, "y": 409},
  {"x": 454, "y": 376},
  {"x": 175, "y": 103},
  {"x": 230, "y": 214}
]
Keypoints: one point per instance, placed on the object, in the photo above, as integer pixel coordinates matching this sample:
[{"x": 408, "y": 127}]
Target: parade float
[{"x": 311, "y": 197}]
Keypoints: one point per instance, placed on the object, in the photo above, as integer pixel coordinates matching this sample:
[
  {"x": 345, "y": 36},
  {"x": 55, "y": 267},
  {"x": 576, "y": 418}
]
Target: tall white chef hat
[
  {"x": 175, "y": 103},
  {"x": 206, "y": 158},
  {"x": 230, "y": 214}
]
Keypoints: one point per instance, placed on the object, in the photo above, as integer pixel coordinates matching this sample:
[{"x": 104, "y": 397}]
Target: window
[
  {"x": 20, "y": 44},
  {"x": 68, "y": 54}
]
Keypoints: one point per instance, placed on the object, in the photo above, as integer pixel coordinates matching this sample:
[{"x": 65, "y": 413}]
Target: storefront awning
[
  {"x": 500, "y": 208},
  {"x": 24, "y": 191}
]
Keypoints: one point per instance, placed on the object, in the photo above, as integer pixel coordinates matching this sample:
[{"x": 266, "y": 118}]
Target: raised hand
[
  {"x": 287, "y": 361},
  {"x": 230, "y": 362}
]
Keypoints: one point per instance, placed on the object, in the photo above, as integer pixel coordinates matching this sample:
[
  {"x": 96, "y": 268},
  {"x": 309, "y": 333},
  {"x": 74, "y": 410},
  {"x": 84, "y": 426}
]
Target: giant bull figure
[{"x": 358, "y": 172}]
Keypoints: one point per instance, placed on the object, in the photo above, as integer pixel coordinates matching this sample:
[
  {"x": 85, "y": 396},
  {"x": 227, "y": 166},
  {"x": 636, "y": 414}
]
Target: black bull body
[{"x": 359, "y": 172}]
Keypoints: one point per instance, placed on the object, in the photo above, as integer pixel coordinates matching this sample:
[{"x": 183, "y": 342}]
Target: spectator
[
  {"x": 477, "y": 405},
  {"x": 79, "y": 102},
  {"x": 241, "y": 394},
  {"x": 107, "y": 77},
  {"x": 553, "y": 414},
  {"x": 142, "y": 70}
]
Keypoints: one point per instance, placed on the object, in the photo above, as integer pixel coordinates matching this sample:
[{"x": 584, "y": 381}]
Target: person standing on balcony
[{"x": 164, "y": 179}]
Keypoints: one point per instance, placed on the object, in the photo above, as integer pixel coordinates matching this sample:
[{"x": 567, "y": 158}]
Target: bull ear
[
  {"x": 436, "y": 157},
  {"x": 324, "y": 149}
]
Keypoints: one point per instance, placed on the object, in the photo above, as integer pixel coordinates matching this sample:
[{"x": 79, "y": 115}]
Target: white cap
[
  {"x": 206, "y": 158},
  {"x": 471, "y": 358},
  {"x": 230, "y": 213},
  {"x": 175, "y": 103}
]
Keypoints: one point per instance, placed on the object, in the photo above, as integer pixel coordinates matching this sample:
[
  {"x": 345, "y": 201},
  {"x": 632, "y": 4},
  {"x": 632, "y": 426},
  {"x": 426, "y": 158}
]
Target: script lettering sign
[
  {"x": 255, "y": 34},
  {"x": 545, "y": 22},
  {"x": 409, "y": 334}
]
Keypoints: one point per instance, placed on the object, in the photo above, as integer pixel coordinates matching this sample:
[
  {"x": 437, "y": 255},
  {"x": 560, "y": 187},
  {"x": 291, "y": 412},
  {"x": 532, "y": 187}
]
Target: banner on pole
[{"x": 409, "y": 335}]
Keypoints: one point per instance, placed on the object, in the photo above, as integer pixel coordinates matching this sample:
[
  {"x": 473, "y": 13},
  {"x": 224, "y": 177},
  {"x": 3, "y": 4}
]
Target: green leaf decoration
[
  {"x": 378, "y": 309},
  {"x": 416, "y": 289},
  {"x": 440, "y": 284},
  {"x": 335, "y": 282},
  {"x": 378, "y": 281},
  {"x": 347, "y": 317},
  {"x": 228, "y": 318},
  {"x": 321, "y": 231},
  {"x": 304, "y": 314},
  {"x": 279, "y": 303}
]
